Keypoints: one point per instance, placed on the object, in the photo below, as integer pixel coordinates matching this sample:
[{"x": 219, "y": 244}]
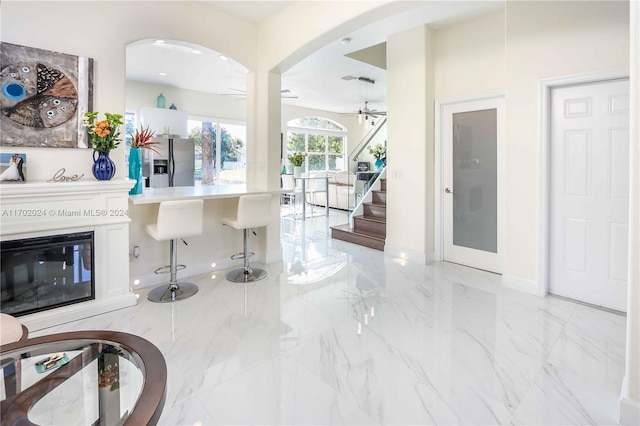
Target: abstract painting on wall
[{"x": 44, "y": 96}]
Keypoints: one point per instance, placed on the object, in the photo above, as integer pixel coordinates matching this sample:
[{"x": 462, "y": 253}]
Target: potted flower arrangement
[
  {"x": 104, "y": 135},
  {"x": 139, "y": 140},
  {"x": 297, "y": 159},
  {"x": 379, "y": 152}
]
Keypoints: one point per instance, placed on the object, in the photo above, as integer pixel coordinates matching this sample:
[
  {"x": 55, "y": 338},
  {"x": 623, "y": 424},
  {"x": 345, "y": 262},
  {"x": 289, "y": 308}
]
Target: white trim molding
[
  {"x": 520, "y": 284},
  {"x": 422, "y": 258},
  {"x": 629, "y": 409},
  {"x": 546, "y": 86},
  {"x": 630, "y": 394}
]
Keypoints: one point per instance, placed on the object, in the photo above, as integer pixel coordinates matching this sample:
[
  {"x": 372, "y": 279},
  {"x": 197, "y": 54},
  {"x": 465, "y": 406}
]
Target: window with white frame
[
  {"x": 215, "y": 163},
  {"x": 323, "y": 140}
]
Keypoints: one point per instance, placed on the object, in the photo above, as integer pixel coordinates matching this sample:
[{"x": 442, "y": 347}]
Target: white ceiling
[{"x": 316, "y": 80}]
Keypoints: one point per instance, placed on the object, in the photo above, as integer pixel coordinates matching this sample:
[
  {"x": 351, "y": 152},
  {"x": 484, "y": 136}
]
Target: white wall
[
  {"x": 196, "y": 103},
  {"x": 469, "y": 58}
]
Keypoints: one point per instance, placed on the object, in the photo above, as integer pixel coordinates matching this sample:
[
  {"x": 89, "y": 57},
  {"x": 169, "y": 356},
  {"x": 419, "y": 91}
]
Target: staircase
[{"x": 370, "y": 228}]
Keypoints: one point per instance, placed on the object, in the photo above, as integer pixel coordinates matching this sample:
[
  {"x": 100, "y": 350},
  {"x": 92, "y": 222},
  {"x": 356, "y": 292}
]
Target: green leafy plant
[
  {"x": 104, "y": 135},
  {"x": 378, "y": 151},
  {"x": 297, "y": 159}
]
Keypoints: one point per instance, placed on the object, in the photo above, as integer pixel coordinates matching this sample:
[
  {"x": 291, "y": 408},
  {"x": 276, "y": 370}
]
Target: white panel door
[
  {"x": 472, "y": 199},
  {"x": 589, "y": 193}
]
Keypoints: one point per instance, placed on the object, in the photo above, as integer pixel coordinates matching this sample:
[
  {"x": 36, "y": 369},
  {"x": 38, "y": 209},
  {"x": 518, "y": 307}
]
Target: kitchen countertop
[{"x": 157, "y": 195}]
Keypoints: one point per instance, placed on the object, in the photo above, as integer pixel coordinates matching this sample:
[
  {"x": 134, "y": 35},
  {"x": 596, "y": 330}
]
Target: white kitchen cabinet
[{"x": 165, "y": 121}]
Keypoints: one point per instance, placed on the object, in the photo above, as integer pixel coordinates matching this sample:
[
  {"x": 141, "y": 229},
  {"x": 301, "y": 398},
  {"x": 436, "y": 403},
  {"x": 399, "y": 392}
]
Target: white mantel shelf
[
  {"x": 35, "y": 209},
  {"x": 34, "y": 189}
]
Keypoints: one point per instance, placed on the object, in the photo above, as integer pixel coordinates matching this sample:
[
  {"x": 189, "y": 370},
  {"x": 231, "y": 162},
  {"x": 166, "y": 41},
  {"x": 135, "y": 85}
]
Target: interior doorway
[
  {"x": 589, "y": 192},
  {"x": 472, "y": 194}
]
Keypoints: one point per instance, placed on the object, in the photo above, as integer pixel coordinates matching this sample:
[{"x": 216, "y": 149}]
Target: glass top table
[
  {"x": 82, "y": 378},
  {"x": 325, "y": 188}
]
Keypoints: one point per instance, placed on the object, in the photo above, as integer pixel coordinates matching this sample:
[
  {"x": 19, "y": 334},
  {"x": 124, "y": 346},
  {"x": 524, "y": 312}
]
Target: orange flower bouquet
[{"x": 104, "y": 135}]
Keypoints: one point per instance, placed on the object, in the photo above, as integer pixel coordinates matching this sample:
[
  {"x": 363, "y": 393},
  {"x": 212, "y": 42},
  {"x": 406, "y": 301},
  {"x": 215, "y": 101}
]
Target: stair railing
[
  {"x": 367, "y": 197},
  {"x": 368, "y": 137},
  {"x": 378, "y": 134}
]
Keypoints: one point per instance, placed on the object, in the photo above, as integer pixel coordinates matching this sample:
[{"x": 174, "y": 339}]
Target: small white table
[{"x": 303, "y": 180}]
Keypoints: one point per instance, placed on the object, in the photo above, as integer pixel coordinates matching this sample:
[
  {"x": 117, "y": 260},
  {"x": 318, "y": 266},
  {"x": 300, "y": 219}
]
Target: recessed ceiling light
[
  {"x": 158, "y": 41},
  {"x": 223, "y": 58},
  {"x": 162, "y": 73},
  {"x": 196, "y": 51}
]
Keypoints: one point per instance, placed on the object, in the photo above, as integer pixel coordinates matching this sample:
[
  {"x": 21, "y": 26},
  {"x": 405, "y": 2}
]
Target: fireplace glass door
[{"x": 46, "y": 272}]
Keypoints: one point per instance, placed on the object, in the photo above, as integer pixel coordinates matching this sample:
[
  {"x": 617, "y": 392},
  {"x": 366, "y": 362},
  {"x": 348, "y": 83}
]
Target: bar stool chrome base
[
  {"x": 246, "y": 275},
  {"x": 253, "y": 211},
  {"x": 172, "y": 292}
]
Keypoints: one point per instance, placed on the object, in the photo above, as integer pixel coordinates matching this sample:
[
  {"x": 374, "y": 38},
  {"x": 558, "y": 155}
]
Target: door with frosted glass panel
[{"x": 472, "y": 199}]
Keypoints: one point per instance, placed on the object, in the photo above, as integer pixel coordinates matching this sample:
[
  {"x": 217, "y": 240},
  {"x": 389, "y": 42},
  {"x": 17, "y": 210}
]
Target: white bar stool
[
  {"x": 253, "y": 211},
  {"x": 176, "y": 219}
]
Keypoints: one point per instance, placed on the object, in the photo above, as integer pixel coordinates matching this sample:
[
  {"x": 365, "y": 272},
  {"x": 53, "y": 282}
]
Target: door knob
[{"x": 448, "y": 191}]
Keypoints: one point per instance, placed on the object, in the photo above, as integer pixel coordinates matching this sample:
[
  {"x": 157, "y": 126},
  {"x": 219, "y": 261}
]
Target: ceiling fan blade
[{"x": 243, "y": 94}]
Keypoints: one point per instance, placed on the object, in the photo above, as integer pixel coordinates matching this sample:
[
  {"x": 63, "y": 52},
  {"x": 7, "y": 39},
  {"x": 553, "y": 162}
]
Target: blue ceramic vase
[
  {"x": 135, "y": 170},
  {"x": 103, "y": 167},
  {"x": 379, "y": 164}
]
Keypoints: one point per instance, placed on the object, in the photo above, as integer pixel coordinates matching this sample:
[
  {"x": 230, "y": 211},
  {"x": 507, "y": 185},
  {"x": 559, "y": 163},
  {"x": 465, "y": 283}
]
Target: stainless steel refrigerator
[{"x": 172, "y": 165}]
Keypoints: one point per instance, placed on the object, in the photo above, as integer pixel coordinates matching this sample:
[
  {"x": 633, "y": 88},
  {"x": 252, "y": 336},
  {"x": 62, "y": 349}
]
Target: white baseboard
[
  {"x": 629, "y": 409},
  {"x": 411, "y": 255},
  {"x": 520, "y": 284},
  {"x": 64, "y": 314}
]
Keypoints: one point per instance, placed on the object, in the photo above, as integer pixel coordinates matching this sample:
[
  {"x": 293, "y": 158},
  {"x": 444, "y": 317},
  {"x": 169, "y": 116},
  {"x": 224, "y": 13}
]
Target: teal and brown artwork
[{"x": 44, "y": 95}]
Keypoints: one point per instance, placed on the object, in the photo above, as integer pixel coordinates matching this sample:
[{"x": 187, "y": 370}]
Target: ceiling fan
[
  {"x": 367, "y": 113},
  {"x": 284, "y": 93},
  {"x": 373, "y": 112}
]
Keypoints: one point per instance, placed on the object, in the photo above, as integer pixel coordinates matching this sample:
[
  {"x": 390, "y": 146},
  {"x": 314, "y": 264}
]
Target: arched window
[{"x": 323, "y": 140}]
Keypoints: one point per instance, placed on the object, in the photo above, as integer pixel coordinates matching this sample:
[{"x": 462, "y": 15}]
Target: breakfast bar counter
[
  {"x": 206, "y": 253},
  {"x": 204, "y": 192}
]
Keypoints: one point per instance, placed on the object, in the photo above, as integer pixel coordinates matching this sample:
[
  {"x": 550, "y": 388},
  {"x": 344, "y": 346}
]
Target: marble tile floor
[{"x": 341, "y": 334}]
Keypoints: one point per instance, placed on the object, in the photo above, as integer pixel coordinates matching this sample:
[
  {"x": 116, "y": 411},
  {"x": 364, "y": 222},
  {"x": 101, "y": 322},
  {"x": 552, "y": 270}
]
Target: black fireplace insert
[{"x": 46, "y": 272}]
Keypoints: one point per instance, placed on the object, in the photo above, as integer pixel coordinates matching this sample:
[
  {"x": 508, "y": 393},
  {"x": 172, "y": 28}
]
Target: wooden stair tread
[
  {"x": 371, "y": 219},
  {"x": 346, "y": 228}
]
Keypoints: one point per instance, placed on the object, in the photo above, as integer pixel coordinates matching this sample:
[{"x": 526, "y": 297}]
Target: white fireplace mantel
[{"x": 37, "y": 209}]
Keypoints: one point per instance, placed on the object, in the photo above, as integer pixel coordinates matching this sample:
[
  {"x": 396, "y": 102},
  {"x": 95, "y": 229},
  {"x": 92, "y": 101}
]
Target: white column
[
  {"x": 630, "y": 395},
  {"x": 410, "y": 145},
  {"x": 263, "y": 151}
]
